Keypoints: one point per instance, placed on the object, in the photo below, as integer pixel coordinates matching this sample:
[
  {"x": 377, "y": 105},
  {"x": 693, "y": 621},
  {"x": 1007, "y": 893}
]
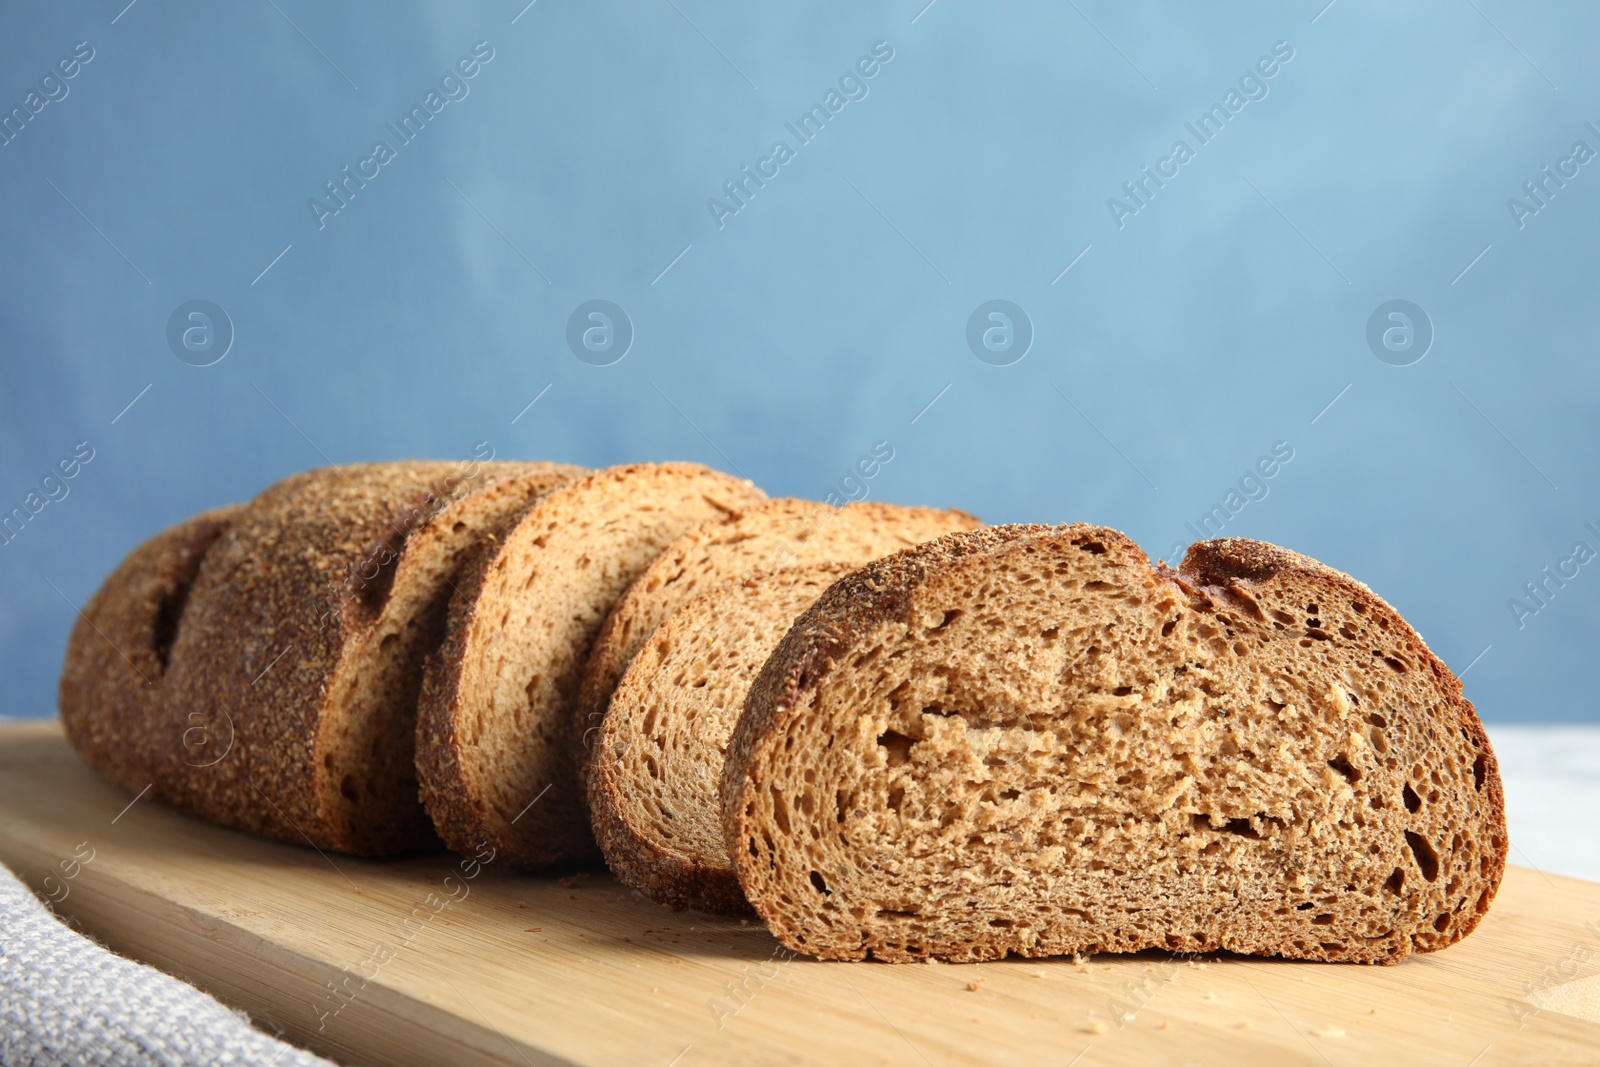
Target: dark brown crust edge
[
  {"x": 448, "y": 791},
  {"x": 668, "y": 879},
  {"x": 442, "y": 782},
  {"x": 850, "y": 609},
  {"x": 879, "y": 592},
  {"x": 112, "y": 672}
]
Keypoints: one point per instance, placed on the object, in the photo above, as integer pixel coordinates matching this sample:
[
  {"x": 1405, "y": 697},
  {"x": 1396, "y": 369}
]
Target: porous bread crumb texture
[
  {"x": 287, "y": 702},
  {"x": 1031, "y": 741},
  {"x": 494, "y": 755},
  {"x": 654, "y": 787},
  {"x": 116, "y": 661},
  {"x": 772, "y": 535}
]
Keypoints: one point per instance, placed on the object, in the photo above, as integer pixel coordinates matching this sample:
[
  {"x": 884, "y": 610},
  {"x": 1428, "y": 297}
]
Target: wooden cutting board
[{"x": 437, "y": 961}]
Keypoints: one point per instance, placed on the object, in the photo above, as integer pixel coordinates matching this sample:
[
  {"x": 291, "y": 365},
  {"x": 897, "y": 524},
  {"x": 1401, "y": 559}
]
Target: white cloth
[{"x": 66, "y": 1000}]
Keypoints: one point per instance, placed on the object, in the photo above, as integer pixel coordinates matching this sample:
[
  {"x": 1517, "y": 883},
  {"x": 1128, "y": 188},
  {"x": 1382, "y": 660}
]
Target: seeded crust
[
  {"x": 493, "y": 747},
  {"x": 787, "y": 532},
  {"x": 117, "y": 656},
  {"x": 654, "y": 784},
  {"x": 1030, "y": 740},
  {"x": 290, "y": 697}
]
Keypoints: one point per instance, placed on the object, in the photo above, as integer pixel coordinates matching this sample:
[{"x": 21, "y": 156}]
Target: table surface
[{"x": 434, "y": 960}]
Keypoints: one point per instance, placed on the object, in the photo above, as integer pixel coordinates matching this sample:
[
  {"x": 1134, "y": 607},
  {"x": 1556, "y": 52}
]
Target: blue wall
[{"x": 1210, "y": 320}]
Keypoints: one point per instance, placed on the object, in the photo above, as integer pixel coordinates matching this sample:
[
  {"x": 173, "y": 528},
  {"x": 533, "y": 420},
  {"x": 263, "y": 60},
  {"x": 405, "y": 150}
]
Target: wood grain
[{"x": 438, "y": 962}]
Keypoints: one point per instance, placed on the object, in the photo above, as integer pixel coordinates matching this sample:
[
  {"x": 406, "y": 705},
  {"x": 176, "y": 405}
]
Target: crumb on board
[
  {"x": 1328, "y": 1030},
  {"x": 1096, "y": 1026},
  {"x": 1166, "y": 1024},
  {"x": 1246, "y": 1024},
  {"x": 975, "y": 985},
  {"x": 1041, "y": 974}
]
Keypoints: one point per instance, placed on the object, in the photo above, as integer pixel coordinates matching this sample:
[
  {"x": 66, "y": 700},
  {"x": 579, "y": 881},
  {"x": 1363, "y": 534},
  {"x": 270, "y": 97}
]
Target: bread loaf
[
  {"x": 287, "y": 704},
  {"x": 654, "y": 783},
  {"x": 494, "y": 756},
  {"x": 776, "y": 534},
  {"x": 1030, "y": 740}
]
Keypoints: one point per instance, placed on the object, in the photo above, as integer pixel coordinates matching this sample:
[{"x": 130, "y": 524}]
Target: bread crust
[
  {"x": 1223, "y": 578},
  {"x": 675, "y": 878},
  {"x": 287, "y": 588},
  {"x": 114, "y": 673},
  {"x": 458, "y": 794}
]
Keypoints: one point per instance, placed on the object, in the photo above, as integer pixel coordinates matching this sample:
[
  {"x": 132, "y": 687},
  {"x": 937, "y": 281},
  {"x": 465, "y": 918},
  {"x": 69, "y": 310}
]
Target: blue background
[{"x": 825, "y": 315}]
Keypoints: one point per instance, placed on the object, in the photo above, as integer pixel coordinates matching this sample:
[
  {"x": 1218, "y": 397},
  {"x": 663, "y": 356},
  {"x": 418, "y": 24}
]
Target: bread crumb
[
  {"x": 533, "y": 929},
  {"x": 1096, "y": 1026},
  {"x": 1246, "y": 1024},
  {"x": 1041, "y": 974},
  {"x": 975, "y": 985},
  {"x": 1165, "y": 1025},
  {"x": 1328, "y": 1030},
  {"x": 1210, "y": 995},
  {"x": 1372, "y": 1011},
  {"x": 1449, "y": 1018},
  {"x": 677, "y": 959}
]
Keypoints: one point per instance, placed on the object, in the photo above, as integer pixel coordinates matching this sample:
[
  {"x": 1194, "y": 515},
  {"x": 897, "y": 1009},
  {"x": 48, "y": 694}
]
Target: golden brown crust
[{"x": 116, "y": 661}]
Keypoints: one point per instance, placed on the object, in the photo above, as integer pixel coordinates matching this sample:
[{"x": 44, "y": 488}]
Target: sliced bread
[
  {"x": 781, "y": 533},
  {"x": 114, "y": 675},
  {"x": 1030, "y": 740},
  {"x": 494, "y": 757},
  {"x": 299, "y": 654},
  {"x": 656, "y": 774}
]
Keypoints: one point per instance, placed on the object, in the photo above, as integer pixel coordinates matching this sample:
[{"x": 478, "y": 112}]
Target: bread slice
[
  {"x": 116, "y": 663},
  {"x": 781, "y": 533},
  {"x": 654, "y": 783},
  {"x": 300, "y": 653},
  {"x": 493, "y": 751},
  {"x": 1029, "y": 740}
]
